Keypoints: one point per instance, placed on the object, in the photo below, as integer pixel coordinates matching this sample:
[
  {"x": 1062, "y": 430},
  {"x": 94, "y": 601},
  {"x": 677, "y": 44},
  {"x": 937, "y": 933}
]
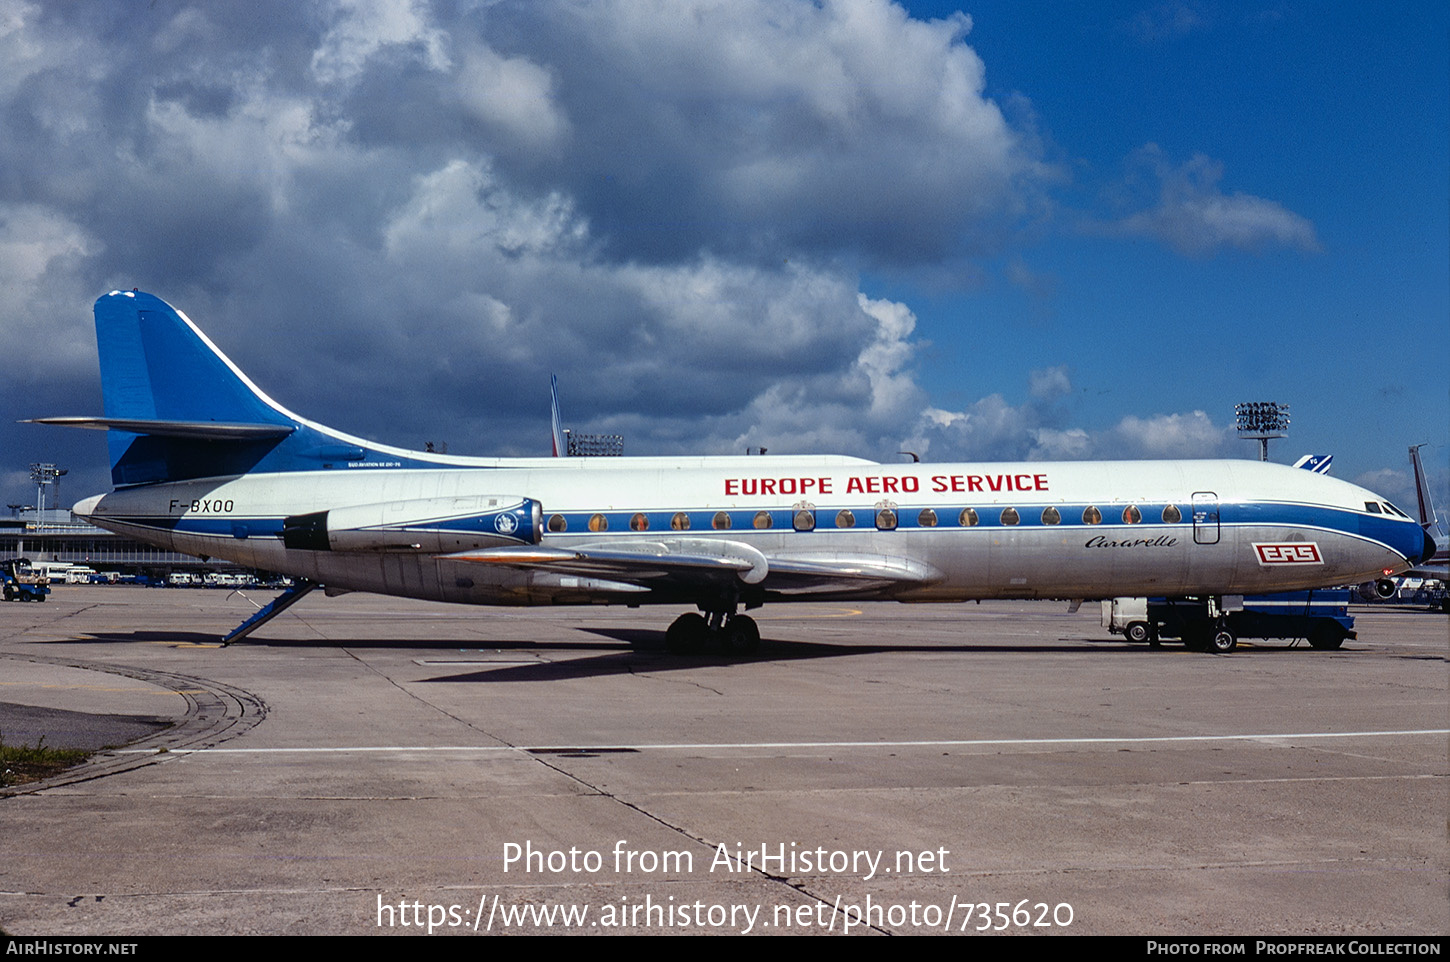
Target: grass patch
[{"x": 20, "y": 764}]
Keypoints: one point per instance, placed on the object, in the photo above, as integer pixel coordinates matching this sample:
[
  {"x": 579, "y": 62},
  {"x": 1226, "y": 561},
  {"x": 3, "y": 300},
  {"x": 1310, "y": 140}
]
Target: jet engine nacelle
[
  {"x": 434, "y": 525},
  {"x": 1380, "y": 590}
]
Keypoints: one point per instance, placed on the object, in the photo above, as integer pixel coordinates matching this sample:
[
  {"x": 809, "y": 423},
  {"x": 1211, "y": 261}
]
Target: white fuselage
[{"x": 1081, "y": 529}]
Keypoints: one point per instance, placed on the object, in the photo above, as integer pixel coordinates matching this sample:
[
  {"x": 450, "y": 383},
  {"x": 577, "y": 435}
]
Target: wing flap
[
  {"x": 686, "y": 562},
  {"x": 637, "y": 564}
]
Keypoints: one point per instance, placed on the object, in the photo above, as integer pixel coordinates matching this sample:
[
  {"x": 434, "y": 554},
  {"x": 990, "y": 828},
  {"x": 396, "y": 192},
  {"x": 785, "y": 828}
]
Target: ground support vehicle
[
  {"x": 20, "y": 583},
  {"x": 1320, "y": 616}
]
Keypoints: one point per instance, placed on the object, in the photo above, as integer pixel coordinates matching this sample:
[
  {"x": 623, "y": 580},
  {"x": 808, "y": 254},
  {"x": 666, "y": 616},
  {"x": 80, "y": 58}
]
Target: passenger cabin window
[
  {"x": 1171, "y": 514},
  {"x": 1009, "y": 516},
  {"x": 1091, "y": 515},
  {"x": 968, "y": 518},
  {"x": 680, "y": 521},
  {"x": 557, "y": 523},
  {"x": 762, "y": 519},
  {"x": 639, "y": 523},
  {"x": 845, "y": 519},
  {"x": 1131, "y": 514},
  {"x": 926, "y": 519},
  {"x": 1051, "y": 515},
  {"x": 886, "y": 520},
  {"x": 597, "y": 522},
  {"x": 804, "y": 520},
  {"x": 721, "y": 521}
]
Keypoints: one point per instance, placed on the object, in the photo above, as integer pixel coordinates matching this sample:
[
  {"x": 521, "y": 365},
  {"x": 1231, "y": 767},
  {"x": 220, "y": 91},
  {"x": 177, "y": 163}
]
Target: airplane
[
  {"x": 1436, "y": 567},
  {"x": 205, "y": 463}
]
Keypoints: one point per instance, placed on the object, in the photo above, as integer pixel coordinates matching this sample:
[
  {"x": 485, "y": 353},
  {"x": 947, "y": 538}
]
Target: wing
[{"x": 685, "y": 563}]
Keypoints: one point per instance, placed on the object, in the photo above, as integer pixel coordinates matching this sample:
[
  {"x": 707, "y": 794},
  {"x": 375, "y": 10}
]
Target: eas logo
[
  {"x": 1294, "y": 553},
  {"x": 505, "y": 524}
]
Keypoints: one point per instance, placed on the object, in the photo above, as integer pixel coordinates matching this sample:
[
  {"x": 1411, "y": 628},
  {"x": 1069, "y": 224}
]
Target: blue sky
[
  {"x": 1337, "y": 113},
  {"x": 986, "y": 231}
]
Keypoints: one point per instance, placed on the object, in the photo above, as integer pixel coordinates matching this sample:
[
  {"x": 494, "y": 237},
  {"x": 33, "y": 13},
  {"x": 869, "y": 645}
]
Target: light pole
[{"x": 1261, "y": 420}]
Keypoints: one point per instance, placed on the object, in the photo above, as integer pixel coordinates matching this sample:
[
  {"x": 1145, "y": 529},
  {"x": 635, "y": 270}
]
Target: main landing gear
[{"x": 693, "y": 633}]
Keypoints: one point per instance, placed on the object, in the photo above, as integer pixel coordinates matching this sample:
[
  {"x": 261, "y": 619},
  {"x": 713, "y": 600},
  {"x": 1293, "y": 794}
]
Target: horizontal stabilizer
[{"x": 195, "y": 430}]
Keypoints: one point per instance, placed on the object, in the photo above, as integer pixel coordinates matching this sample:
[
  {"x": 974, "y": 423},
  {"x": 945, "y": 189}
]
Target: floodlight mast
[
  {"x": 42, "y": 474},
  {"x": 1260, "y": 421}
]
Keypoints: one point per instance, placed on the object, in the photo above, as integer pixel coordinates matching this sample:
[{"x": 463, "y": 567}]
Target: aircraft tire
[
  {"x": 1222, "y": 641},
  {"x": 687, "y": 634},
  {"x": 741, "y": 635},
  {"x": 1326, "y": 638},
  {"x": 1138, "y": 632}
]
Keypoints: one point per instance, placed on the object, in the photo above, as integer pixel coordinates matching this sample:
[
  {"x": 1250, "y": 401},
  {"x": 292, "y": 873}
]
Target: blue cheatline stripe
[{"x": 1373, "y": 528}]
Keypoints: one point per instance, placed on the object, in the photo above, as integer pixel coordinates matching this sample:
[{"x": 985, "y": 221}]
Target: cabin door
[{"x": 1205, "y": 517}]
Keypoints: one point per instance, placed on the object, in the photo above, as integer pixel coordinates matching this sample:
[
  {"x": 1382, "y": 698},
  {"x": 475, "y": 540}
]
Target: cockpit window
[
  {"x": 1372, "y": 508},
  {"x": 1391, "y": 509}
]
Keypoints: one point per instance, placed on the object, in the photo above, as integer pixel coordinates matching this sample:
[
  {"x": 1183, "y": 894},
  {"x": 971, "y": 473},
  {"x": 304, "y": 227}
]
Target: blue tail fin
[
  {"x": 175, "y": 406},
  {"x": 155, "y": 365},
  {"x": 177, "y": 409}
]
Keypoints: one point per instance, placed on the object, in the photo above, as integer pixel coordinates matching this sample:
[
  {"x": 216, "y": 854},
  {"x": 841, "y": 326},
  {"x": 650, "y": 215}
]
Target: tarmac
[{"x": 368, "y": 765}]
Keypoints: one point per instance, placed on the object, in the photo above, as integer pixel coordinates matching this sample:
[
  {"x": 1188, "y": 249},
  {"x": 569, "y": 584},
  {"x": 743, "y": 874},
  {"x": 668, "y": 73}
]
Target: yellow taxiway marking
[{"x": 795, "y": 616}]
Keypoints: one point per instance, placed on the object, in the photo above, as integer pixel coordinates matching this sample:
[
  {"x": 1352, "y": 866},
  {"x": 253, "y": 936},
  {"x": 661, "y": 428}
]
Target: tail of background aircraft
[
  {"x": 177, "y": 408},
  {"x": 1428, "y": 518},
  {"x": 556, "y": 422}
]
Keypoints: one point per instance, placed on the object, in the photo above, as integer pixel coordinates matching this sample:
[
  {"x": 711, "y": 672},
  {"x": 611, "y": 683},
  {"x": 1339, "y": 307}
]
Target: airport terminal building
[{"x": 55, "y": 535}]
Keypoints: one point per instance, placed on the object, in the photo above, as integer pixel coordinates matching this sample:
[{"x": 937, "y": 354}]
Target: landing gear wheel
[
  {"x": 740, "y": 634},
  {"x": 687, "y": 635},
  {"x": 1326, "y": 637},
  {"x": 1222, "y": 641},
  {"x": 1138, "y": 632}
]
